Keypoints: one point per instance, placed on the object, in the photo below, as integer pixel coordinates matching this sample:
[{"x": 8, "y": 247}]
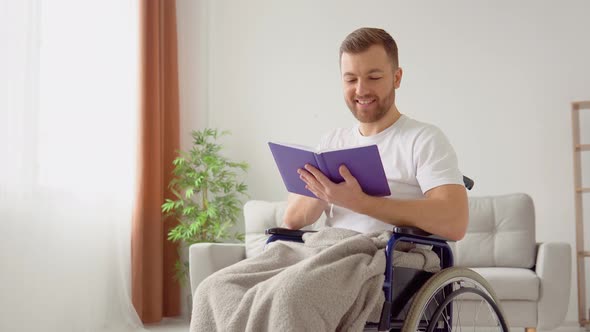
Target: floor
[
  {"x": 182, "y": 325},
  {"x": 171, "y": 325},
  {"x": 568, "y": 328}
]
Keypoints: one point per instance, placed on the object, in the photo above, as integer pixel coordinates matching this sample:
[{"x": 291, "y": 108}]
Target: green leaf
[{"x": 167, "y": 207}]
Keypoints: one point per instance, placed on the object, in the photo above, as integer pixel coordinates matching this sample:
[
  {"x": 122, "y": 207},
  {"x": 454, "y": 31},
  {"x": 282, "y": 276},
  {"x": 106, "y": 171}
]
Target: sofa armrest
[
  {"x": 207, "y": 258},
  {"x": 553, "y": 268}
]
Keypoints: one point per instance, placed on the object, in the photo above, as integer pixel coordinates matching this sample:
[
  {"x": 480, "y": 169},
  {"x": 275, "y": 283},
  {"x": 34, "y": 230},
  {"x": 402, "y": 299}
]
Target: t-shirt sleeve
[{"x": 435, "y": 160}]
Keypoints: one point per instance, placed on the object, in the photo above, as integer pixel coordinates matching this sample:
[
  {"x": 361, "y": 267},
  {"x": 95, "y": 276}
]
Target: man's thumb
[{"x": 346, "y": 173}]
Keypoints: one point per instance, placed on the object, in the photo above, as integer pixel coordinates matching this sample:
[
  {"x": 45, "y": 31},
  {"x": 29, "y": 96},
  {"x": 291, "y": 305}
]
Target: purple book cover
[{"x": 363, "y": 162}]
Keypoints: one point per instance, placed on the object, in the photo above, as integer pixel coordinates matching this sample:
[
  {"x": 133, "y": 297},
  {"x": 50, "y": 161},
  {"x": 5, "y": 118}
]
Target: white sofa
[{"x": 532, "y": 280}]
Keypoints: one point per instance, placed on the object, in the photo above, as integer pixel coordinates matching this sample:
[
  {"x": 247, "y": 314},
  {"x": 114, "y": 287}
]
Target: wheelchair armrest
[
  {"x": 279, "y": 233},
  {"x": 286, "y": 231},
  {"x": 417, "y": 232}
]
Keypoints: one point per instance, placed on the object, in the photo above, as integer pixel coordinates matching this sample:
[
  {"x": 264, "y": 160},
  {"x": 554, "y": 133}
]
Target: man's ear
[{"x": 397, "y": 77}]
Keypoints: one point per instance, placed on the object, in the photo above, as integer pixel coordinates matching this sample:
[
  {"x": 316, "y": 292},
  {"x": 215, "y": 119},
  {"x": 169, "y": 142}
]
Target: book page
[
  {"x": 342, "y": 149},
  {"x": 297, "y": 146}
]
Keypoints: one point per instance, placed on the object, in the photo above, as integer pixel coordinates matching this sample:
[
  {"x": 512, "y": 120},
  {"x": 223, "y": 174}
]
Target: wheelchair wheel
[{"x": 453, "y": 298}]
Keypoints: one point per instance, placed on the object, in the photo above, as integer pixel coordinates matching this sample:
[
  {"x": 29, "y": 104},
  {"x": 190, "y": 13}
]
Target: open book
[{"x": 363, "y": 162}]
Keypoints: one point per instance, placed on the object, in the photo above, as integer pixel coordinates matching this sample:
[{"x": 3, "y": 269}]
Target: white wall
[{"x": 498, "y": 78}]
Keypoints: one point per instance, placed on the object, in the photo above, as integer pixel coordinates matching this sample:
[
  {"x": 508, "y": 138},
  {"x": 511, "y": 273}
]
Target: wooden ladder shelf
[{"x": 582, "y": 254}]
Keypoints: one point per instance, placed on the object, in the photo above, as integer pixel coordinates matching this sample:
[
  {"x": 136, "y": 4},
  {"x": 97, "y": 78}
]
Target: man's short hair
[{"x": 361, "y": 39}]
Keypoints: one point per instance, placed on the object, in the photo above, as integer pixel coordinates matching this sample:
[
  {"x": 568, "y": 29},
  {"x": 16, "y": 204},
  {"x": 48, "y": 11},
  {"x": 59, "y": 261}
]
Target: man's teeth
[{"x": 365, "y": 102}]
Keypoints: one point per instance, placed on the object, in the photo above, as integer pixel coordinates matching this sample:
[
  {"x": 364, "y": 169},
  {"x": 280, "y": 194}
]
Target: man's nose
[{"x": 361, "y": 88}]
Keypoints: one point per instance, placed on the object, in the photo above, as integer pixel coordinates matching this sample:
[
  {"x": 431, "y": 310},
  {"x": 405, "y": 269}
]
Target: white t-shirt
[{"x": 416, "y": 157}]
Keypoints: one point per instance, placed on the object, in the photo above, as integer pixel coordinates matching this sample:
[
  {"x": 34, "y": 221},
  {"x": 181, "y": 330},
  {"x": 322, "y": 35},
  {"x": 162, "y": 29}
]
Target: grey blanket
[{"x": 332, "y": 282}]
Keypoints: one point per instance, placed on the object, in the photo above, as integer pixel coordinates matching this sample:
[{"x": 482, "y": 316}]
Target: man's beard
[{"x": 383, "y": 107}]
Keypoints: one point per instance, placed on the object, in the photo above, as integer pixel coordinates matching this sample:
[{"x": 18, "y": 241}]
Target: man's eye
[
  {"x": 375, "y": 78},
  {"x": 351, "y": 80}
]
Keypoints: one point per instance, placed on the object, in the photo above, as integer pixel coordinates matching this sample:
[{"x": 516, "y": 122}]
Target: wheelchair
[{"x": 417, "y": 300}]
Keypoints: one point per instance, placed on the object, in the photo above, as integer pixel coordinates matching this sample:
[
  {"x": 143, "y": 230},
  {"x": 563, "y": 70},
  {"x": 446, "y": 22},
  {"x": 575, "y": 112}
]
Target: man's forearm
[
  {"x": 446, "y": 218},
  {"x": 302, "y": 211}
]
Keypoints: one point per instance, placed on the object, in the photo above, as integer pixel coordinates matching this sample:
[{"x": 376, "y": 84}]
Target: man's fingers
[
  {"x": 317, "y": 193},
  {"x": 307, "y": 177},
  {"x": 346, "y": 174},
  {"x": 311, "y": 183},
  {"x": 315, "y": 187},
  {"x": 319, "y": 176}
]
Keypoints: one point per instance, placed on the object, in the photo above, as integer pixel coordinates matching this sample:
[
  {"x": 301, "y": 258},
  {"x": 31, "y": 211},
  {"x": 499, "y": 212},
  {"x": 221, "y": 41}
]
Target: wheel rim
[
  {"x": 425, "y": 303},
  {"x": 486, "y": 316}
]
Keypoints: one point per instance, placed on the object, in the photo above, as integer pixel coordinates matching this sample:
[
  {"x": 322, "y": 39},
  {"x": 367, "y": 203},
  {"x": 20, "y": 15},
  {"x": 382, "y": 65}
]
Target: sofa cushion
[
  {"x": 501, "y": 230},
  {"x": 260, "y": 215},
  {"x": 501, "y": 233},
  {"x": 512, "y": 283}
]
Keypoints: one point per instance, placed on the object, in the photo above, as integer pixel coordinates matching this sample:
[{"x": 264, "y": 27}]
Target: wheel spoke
[
  {"x": 459, "y": 316},
  {"x": 446, "y": 318},
  {"x": 432, "y": 303},
  {"x": 476, "y": 315}
]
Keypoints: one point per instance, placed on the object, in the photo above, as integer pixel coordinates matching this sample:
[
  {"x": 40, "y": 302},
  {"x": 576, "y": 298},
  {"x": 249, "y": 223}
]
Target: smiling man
[
  {"x": 321, "y": 287},
  {"x": 420, "y": 163}
]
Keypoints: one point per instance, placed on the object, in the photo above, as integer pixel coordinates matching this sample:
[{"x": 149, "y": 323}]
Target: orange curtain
[{"x": 154, "y": 291}]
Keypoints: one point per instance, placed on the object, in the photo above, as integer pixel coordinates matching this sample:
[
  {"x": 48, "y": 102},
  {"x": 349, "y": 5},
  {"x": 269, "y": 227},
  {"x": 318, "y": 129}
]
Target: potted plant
[{"x": 207, "y": 194}]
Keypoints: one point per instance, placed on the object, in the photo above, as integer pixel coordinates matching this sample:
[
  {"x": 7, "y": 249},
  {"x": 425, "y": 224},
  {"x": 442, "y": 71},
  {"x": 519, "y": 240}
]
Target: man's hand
[
  {"x": 443, "y": 211},
  {"x": 347, "y": 194}
]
